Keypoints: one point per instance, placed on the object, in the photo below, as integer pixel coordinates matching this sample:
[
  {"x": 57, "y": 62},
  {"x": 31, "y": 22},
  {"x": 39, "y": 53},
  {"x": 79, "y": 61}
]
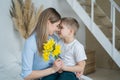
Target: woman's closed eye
[{"x": 60, "y": 27}]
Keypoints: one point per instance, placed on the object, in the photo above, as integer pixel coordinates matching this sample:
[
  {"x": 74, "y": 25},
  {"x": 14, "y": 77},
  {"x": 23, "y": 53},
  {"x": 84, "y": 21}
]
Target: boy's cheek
[{"x": 60, "y": 36}]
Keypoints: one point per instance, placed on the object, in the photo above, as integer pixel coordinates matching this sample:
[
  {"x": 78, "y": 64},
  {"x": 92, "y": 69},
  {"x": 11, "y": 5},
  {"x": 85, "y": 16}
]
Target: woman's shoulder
[
  {"x": 31, "y": 38},
  {"x": 31, "y": 41}
]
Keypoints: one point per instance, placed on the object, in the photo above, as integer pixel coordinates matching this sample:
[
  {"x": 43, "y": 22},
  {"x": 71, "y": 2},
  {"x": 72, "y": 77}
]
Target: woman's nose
[{"x": 58, "y": 29}]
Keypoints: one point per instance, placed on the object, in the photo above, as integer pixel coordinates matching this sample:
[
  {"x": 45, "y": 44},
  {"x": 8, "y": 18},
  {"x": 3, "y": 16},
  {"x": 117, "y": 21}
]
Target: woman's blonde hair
[{"x": 41, "y": 28}]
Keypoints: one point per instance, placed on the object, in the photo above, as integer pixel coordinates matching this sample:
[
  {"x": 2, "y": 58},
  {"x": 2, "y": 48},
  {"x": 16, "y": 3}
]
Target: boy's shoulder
[{"x": 77, "y": 44}]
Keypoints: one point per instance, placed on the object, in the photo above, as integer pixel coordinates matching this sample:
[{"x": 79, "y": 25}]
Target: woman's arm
[
  {"x": 79, "y": 67},
  {"x": 41, "y": 73}
]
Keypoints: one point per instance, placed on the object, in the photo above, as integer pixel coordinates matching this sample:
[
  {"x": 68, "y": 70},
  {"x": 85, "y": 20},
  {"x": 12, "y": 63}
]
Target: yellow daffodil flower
[{"x": 51, "y": 48}]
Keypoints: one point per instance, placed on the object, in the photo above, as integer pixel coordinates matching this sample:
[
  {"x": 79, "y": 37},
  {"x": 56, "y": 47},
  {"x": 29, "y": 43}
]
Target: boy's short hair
[{"x": 70, "y": 23}]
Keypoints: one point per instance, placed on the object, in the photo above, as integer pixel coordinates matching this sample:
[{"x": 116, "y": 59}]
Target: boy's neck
[{"x": 69, "y": 40}]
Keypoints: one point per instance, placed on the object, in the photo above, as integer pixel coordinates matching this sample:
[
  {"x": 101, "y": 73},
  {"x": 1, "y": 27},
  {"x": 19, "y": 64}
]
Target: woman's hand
[{"x": 57, "y": 65}]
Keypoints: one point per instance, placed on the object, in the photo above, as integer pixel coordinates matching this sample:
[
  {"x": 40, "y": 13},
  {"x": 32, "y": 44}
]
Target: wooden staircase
[
  {"x": 101, "y": 27},
  {"x": 103, "y": 21}
]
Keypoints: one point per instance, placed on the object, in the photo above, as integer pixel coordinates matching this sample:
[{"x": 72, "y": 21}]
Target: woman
[{"x": 33, "y": 65}]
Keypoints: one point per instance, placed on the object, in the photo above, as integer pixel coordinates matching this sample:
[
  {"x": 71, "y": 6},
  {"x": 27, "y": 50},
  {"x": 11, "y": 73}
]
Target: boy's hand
[
  {"x": 60, "y": 71},
  {"x": 78, "y": 74},
  {"x": 63, "y": 66}
]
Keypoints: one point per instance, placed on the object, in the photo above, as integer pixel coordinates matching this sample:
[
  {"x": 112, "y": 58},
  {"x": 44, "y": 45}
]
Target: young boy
[
  {"x": 72, "y": 51},
  {"x": 73, "y": 54}
]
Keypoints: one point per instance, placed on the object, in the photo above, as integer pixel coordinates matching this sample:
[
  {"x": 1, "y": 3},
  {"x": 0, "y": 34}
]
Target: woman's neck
[{"x": 68, "y": 40}]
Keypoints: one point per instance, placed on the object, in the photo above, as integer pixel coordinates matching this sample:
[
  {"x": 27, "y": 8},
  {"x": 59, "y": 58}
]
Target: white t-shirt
[{"x": 72, "y": 53}]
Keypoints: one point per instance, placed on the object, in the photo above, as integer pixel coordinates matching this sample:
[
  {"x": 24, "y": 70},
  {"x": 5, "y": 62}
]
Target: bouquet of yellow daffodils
[{"x": 51, "y": 48}]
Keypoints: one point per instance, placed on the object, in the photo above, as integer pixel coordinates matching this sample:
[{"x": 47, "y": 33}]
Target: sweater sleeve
[{"x": 27, "y": 57}]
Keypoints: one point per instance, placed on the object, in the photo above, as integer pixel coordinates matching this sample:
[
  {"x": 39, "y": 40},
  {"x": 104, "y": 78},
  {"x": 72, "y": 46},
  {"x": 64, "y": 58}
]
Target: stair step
[
  {"x": 86, "y": 3},
  {"x": 117, "y": 41},
  {"x": 97, "y": 12},
  {"x": 106, "y": 21},
  {"x": 103, "y": 21},
  {"x": 106, "y": 30},
  {"x": 117, "y": 32}
]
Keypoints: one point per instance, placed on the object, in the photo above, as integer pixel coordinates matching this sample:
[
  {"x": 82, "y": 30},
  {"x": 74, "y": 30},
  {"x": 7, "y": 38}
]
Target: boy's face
[{"x": 64, "y": 31}]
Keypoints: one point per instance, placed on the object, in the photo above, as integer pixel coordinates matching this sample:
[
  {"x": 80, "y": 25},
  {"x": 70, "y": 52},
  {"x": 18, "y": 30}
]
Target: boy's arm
[{"x": 79, "y": 67}]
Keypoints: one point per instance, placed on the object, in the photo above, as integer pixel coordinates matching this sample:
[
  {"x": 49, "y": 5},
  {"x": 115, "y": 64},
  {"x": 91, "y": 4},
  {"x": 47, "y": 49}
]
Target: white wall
[{"x": 11, "y": 42}]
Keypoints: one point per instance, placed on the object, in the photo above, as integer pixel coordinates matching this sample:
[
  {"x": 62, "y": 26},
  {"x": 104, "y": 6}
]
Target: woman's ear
[{"x": 48, "y": 22}]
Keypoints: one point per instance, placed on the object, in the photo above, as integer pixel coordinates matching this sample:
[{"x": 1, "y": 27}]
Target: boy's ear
[{"x": 71, "y": 31}]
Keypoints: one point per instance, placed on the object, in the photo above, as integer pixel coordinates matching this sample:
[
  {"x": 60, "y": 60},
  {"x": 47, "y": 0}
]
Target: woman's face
[{"x": 53, "y": 27}]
